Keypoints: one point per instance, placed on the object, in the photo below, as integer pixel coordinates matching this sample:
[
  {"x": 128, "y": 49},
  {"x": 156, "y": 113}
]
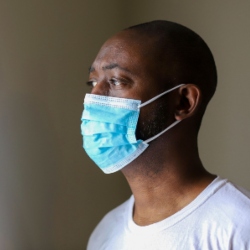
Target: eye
[
  {"x": 115, "y": 81},
  {"x": 91, "y": 83}
]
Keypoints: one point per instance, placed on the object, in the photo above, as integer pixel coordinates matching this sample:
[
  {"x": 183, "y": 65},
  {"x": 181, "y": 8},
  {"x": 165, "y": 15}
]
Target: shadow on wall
[{"x": 27, "y": 174}]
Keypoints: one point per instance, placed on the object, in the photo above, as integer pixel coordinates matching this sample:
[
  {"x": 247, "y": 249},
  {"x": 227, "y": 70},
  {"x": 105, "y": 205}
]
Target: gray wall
[{"x": 51, "y": 194}]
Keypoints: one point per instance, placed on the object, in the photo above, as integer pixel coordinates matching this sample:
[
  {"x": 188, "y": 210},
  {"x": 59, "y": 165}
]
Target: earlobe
[{"x": 188, "y": 101}]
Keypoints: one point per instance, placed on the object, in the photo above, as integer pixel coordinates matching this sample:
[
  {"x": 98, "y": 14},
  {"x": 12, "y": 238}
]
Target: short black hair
[{"x": 192, "y": 59}]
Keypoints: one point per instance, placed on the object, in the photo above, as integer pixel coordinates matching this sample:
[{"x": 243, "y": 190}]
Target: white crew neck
[{"x": 211, "y": 189}]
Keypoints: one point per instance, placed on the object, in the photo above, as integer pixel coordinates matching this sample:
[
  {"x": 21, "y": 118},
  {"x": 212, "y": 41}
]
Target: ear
[{"x": 188, "y": 101}]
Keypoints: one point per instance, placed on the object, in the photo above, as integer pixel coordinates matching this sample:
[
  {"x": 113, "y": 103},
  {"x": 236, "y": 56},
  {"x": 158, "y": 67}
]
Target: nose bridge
[{"x": 99, "y": 74}]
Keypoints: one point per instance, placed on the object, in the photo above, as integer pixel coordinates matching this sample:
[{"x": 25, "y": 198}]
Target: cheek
[
  {"x": 153, "y": 119},
  {"x": 150, "y": 122}
]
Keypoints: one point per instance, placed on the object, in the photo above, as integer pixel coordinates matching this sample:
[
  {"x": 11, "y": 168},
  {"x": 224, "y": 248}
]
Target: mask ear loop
[
  {"x": 162, "y": 132},
  {"x": 153, "y": 99},
  {"x": 158, "y": 96}
]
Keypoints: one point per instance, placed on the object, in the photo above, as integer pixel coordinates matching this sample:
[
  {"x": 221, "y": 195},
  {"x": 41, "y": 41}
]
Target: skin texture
[{"x": 169, "y": 174}]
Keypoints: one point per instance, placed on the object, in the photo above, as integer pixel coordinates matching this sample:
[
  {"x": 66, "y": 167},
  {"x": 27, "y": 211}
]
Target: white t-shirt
[{"x": 219, "y": 218}]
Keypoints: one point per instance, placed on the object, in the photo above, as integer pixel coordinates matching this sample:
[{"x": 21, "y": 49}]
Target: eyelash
[
  {"x": 113, "y": 80},
  {"x": 110, "y": 81},
  {"x": 91, "y": 83}
]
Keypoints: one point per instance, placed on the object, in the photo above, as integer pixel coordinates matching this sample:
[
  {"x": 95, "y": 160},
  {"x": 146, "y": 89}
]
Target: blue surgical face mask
[{"x": 108, "y": 130}]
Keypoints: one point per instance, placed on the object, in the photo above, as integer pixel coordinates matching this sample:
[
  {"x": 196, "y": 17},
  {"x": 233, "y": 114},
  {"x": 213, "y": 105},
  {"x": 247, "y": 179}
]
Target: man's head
[
  {"x": 147, "y": 59},
  {"x": 185, "y": 55}
]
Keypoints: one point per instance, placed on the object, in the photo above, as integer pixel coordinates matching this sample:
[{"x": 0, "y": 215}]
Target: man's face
[{"x": 127, "y": 66}]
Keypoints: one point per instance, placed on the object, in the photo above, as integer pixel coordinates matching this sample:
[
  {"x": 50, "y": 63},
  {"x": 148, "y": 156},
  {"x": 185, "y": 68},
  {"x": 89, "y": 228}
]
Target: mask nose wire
[{"x": 158, "y": 96}]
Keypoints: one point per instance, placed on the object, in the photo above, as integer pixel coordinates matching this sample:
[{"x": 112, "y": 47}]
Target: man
[{"x": 165, "y": 74}]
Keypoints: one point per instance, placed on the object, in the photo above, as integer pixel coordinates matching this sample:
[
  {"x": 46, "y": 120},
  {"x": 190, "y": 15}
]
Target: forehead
[{"x": 127, "y": 48}]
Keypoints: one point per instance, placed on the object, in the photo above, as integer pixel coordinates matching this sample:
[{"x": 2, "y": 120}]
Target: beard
[{"x": 154, "y": 120}]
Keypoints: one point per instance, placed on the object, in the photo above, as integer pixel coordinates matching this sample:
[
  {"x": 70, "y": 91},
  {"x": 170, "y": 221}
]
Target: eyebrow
[{"x": 109, "y": 67}]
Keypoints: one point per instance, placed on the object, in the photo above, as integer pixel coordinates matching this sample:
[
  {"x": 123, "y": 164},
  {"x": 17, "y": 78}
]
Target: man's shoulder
[
  {"x": 117, "y": 214},
  {"x": 228, "y": 216},
  {"x": 230, "y": 205},
  {"x": 227, "y": 194},
  {"x": 233, "y": 195},
  {"x": 114, "y": 221}
]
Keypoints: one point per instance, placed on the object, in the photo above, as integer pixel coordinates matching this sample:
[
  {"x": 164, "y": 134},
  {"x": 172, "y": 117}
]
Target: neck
[{"x": 164, "y": 184}]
